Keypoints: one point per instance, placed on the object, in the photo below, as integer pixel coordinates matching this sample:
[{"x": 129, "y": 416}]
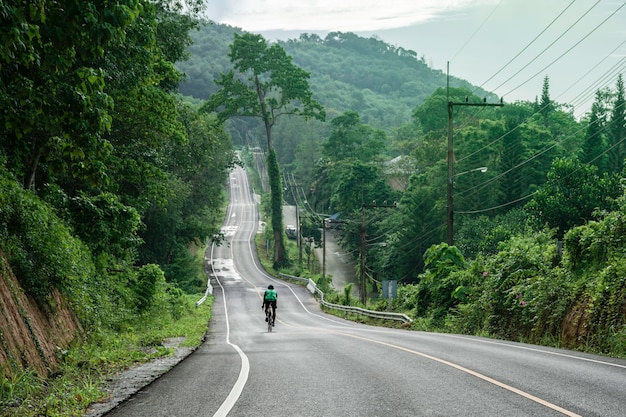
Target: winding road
[{"x": 314, "y": 364}]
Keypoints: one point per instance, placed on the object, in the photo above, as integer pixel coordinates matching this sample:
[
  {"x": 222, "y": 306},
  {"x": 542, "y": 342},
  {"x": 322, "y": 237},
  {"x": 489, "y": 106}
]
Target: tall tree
[
  {"x": 513, "y": 152},
  {"x": 546, "y": 105},
  {"x": 617, "y": 129},
  {"x": 265, "y": 84},
  {"x": 594, "y": 143}
]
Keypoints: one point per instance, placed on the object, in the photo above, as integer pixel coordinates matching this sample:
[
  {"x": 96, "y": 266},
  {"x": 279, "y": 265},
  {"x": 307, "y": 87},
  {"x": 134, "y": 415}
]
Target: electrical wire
[
  {"x": 482, "y": 185},
  {"x": 529, "y": 44},
  {"x": 568, "y": 50},
  {"x": 545, "y": 50},
  {"x": 531, "y": 194},
  {"x": 477, "y": 30}
]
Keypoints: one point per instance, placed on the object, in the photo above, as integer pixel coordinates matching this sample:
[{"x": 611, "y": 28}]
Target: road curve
[{"x": 314, "y": 364}]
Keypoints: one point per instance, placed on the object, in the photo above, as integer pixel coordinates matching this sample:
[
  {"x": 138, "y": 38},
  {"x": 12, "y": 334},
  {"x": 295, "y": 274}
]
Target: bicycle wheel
[{"x": 268, "y": 319}]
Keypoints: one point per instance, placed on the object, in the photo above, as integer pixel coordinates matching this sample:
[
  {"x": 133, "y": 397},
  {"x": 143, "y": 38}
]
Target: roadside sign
[{"x": 390, "y": 289}]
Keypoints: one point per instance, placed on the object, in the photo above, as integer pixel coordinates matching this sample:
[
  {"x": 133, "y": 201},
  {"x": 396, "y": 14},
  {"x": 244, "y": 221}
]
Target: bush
[
  {"x": 607, "y": 312},
  {"x": 39, "y": 246},
  {"x": 148, "y": 281}
]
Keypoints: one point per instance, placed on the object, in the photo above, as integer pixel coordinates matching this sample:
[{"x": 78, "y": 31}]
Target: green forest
[
  {"x": 100, "y": 150},
  {"x": 117, "y": 141}
]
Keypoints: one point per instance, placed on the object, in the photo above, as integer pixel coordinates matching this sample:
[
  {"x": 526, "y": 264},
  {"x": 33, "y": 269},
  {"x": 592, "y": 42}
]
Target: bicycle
[{"x": 269, "y": 318}]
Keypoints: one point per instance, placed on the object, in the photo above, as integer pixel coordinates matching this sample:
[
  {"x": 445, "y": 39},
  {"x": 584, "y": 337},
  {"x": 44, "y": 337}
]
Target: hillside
[
  {"x": 31, "y": 336},
  {"x": 384, "y": 83}
]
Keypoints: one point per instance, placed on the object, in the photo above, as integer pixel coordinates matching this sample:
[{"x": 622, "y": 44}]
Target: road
[
  {"x": 338, "y": 264},
  {"x": 314, "y": 364}
]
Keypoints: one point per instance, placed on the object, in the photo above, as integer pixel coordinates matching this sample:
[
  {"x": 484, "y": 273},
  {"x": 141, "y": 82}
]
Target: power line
[
  {"x": 568, "y": 50},
  {"x": 608, "y": 77},
  {"x": 529, "y": 44},
  {"x": 477, "y": 30},
  {"x": 531, "y": 194}
]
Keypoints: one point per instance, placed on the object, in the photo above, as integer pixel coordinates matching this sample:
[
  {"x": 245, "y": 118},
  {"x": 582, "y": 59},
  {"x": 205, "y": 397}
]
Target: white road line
[
  {"x": 547, "y": 352},
  {"x": 237, "y": 389},
  {"x": 470, "y": 372}
]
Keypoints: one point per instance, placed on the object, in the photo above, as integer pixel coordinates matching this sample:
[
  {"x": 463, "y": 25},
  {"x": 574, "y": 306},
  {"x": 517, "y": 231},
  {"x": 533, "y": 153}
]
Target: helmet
[{"x": 271, "y": 287}]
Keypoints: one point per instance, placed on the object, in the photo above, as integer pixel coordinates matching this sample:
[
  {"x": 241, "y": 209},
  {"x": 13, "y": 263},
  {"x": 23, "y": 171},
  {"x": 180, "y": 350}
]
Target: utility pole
[
  {"x": 323, "y": 249},
  {"x": 299, "y": 234},
  {"x": 450, "y": 156},
  {"x": 362, "y": 241},
  {"x": 362, "y": 245}
]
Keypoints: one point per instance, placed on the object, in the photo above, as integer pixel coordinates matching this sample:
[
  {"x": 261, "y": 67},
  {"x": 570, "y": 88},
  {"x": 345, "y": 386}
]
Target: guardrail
[
  {"x": 312, "y": 287},
  {"x": 209, "y": 288}
]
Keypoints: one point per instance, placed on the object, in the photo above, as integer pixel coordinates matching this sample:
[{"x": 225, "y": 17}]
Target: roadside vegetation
[
  {"x": 87, "y": 366},
  {"x": 111, "y": 187}
]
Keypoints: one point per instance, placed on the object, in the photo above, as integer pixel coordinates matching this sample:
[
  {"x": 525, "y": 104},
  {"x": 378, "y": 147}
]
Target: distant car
[
  {"x": 291, "y": 231},
  {"x": 333, "y": 222}
]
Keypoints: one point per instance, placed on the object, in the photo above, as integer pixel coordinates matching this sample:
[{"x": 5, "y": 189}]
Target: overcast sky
[{"x": 505, "y": 46}]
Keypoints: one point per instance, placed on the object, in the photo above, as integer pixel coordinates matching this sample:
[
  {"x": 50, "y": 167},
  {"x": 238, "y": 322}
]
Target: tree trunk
[
  {"x": 29, "y": 181},
  {"x": 276, "y": 189},
  {"x": 276, "y": 194}
]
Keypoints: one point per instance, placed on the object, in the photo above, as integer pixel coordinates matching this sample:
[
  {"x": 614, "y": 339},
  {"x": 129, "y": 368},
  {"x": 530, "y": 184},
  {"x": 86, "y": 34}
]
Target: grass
[{"x": 86, "y": 367}]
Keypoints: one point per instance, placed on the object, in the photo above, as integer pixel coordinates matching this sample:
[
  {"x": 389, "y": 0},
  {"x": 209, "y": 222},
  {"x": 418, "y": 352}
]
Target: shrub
[
  {"x": 39, "y": 246},
  {"x": 148, "y": 282},
  {"x": 607, "y": 312}
]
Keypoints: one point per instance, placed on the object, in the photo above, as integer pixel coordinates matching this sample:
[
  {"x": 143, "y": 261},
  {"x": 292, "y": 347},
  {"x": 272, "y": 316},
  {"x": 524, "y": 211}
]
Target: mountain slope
[{"x": 382, "y": 82}]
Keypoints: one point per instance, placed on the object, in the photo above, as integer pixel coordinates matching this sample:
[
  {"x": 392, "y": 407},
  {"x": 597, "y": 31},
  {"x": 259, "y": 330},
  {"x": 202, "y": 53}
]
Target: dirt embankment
[{"x": 31, "y": 337}]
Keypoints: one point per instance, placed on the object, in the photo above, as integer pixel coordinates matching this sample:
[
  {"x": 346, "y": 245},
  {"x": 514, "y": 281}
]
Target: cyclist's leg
[{"x": 274, "y": 311}]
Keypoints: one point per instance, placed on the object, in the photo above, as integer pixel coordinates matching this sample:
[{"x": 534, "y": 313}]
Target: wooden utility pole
[
  {"x": 450, "y": 156},
  {"x": 362, "y": 245},
  {"x": 323, "y": 249}
]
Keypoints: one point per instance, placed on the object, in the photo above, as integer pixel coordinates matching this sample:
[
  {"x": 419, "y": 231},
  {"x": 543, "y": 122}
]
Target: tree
[
  {"x": 617, "y": 129},
  {"x": 546, "y": 105},
  {"x": 418, "y": 223},
  {"x": 571, "y": 195},
  {"x": 437, "y": 283},
  {"x": 355, "y": 183},
  {"x": 266, "y": 85},
  {"x": 350, "y": 138},
  {"x": 52, "y": 94},
  {"x": 195, "y": 172},
  {"x": 594, "y": 143},
  {"x": 432, "y": 116},
  {"x": 513, "y": 152}
]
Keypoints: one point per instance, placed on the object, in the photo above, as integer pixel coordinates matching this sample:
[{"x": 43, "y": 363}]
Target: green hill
[{"x": 383, "y": 82}]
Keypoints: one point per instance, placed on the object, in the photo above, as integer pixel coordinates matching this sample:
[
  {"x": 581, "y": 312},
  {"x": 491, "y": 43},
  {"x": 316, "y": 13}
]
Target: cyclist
[{"x": 269, "y": 300}]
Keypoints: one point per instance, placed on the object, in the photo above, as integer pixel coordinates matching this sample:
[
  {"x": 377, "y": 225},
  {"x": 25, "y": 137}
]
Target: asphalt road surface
[
  {"x": 314, "y": 364},
  {"x": 337, "y": 264}
]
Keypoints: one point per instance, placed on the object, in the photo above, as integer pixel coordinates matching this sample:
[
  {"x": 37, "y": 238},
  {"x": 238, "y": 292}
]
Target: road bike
[{"x": 269, "y": 319}]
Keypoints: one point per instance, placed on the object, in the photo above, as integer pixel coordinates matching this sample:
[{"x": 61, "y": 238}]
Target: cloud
[{"x": 331, "y": 15}]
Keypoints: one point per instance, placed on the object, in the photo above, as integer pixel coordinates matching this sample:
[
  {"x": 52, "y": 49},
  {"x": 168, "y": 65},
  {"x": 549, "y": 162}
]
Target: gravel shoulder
[{"x": 126, "y": 383}]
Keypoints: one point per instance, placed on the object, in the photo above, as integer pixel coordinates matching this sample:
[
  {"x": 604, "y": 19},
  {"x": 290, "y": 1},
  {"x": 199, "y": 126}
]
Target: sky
[{"x": 507, "y": 47}]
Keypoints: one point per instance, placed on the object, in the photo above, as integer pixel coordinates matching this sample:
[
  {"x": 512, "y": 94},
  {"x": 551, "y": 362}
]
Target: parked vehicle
[{"x": 291, "y": 231}]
